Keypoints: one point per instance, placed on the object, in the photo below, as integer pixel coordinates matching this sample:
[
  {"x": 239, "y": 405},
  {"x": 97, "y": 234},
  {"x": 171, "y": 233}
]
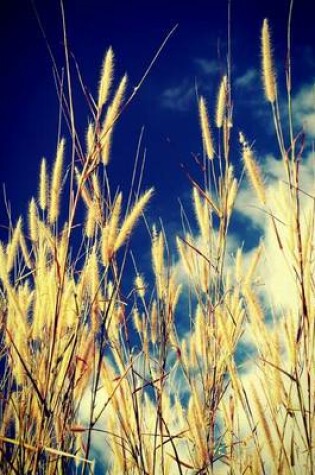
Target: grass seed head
[
  {"x": 221, "y": 103},
  {"x": 43, "y": 186},
  {"x": 106, "y": 78},
  {"x": 132, "y": 219},
  {"x": 205, "y": 129},
  {"x": 268, "y": 71},
  {"x": 254, "y": 174},
  {"x": 55, "y": 188}
]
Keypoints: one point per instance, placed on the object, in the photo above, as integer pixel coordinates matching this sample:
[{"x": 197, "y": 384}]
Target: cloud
[
  {"x": 278, "y": 293},
  {"x": 304, "y": 108},
  {"x": 279, "y": 297},
  {"x": 207, "y": 67},
  {"x": 248, "y": 206},
  {"x": 179, "y": 98},
  {"x": 100, "y": 448},
  {"x": 276, "y": 270},
  {"x": 256, "y": 382},
  {"x": 118, "y": 421},
  {"x": 248, "y": 79},
  {"x": 200, "y": 260}
]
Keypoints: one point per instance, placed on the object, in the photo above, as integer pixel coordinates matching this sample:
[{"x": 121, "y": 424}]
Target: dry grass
[{"x": 81, "y": 363}]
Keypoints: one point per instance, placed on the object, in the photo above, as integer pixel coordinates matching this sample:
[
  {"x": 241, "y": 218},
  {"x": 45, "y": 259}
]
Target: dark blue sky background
[{"x": 166, "y": 103}]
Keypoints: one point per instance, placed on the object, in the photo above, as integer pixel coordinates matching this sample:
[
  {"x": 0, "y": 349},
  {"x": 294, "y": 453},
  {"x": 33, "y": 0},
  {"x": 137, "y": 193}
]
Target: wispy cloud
[
  {"x": 248, "y": 79},
  {"x": 208, "y": 67},
  {"x": 180, "y": 97}
]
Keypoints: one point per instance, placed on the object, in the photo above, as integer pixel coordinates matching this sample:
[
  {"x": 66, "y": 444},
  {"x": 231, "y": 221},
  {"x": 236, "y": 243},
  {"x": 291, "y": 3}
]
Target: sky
[
  {"x": 166, "y": 105},
  {"x": 194, "y": 57}
]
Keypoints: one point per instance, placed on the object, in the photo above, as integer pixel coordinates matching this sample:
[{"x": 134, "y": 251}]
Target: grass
[{"x": 84, "y": 369}]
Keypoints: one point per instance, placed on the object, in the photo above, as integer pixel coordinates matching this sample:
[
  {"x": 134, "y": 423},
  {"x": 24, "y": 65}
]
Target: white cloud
[
  {"x": 100, "y": 446},
  {"x": 187, "y": 280},
  {"x": 279, "y": 295},
  {"x": 248, "y": 206},
  {"x": 278, "y": 292},
  {"x": 119, "y": 416},
  {"x": 254, "y": 379},
  {"x": 304, "y": 108},
  {"x": 276, "y": 269}
]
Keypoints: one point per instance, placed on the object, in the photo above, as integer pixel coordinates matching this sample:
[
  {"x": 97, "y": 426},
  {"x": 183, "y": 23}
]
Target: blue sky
[{"x": 165, "y": 105}]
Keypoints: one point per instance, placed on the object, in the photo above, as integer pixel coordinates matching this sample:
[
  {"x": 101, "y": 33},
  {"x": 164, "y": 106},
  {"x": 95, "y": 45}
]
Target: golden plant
[{"x": 87, "y": 366}]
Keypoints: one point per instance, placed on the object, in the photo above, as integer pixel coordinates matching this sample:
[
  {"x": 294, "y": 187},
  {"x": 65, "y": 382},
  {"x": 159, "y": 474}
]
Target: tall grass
[{"x": 84, "y": 368}]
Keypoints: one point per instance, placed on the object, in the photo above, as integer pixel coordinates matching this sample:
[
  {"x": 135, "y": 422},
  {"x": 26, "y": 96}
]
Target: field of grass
[{"x": 95, "y": 379}]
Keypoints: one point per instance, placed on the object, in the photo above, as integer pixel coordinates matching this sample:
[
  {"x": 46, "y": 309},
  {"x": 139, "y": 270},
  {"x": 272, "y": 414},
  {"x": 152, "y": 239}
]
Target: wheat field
[{"x": 197, "y": 368}]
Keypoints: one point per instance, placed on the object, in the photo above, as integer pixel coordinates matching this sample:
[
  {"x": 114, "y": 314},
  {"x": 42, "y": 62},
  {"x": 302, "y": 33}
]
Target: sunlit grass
[{"x": 88, "y": 371}]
